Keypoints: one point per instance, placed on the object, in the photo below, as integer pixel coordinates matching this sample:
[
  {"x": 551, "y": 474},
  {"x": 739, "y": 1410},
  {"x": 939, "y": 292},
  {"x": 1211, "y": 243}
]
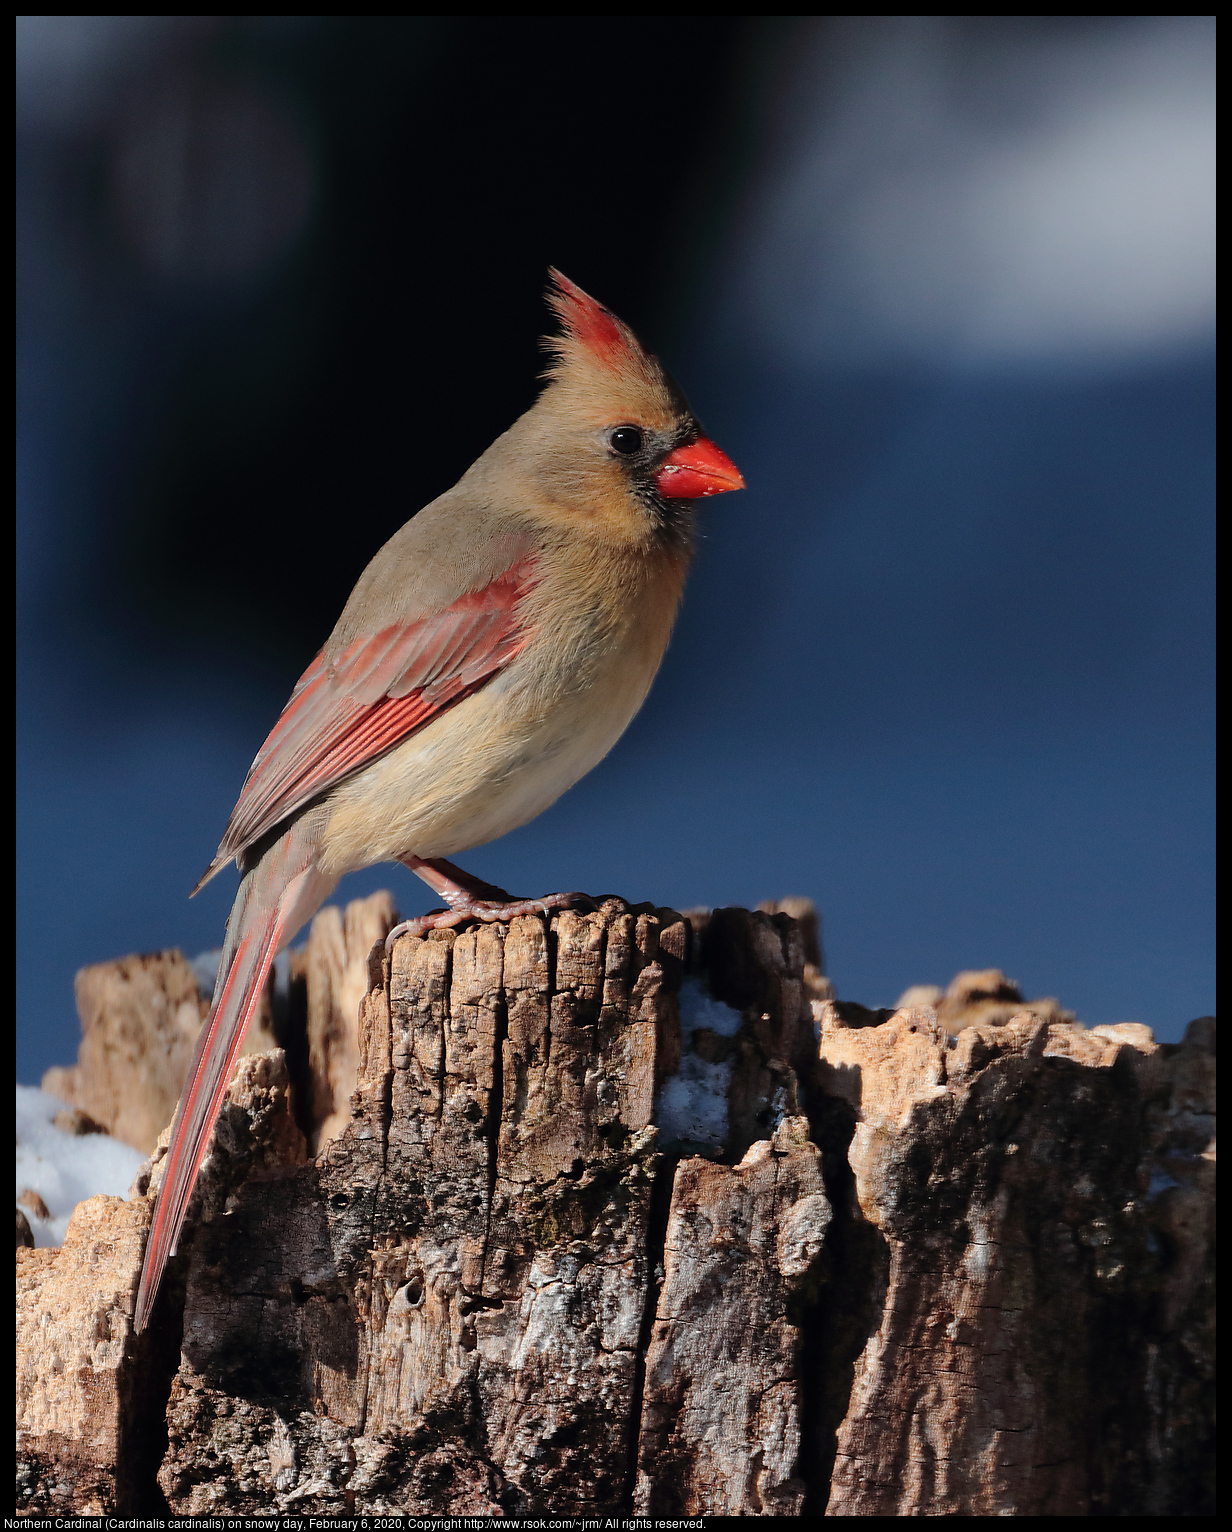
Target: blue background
[{"x": 945, "y": 667}]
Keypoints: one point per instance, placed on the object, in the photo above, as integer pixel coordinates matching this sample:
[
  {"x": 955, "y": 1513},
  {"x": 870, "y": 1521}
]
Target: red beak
[{"x": 697, "y": 470}]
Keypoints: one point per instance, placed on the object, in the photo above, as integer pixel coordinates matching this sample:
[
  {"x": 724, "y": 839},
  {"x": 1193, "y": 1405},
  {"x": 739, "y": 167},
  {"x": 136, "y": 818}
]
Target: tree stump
[{"x": 563, "y": 1254}]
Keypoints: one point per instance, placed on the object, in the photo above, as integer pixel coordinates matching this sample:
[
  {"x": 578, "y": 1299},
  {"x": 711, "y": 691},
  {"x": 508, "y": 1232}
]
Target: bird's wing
[{"x": 380, "y": 690}]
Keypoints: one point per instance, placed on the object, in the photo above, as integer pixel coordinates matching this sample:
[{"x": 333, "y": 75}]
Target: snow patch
[
  {"x": 62, "y": 1168},
  {"x": 692, "y": 1104}
]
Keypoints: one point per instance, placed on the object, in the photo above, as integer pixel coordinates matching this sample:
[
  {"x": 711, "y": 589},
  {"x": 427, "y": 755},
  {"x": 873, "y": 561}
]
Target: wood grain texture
[{"x": 936, "y": 1268}]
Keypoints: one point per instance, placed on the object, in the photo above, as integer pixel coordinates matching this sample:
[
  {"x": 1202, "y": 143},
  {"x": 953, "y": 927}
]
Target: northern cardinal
[{"x": 492, "y": 652}]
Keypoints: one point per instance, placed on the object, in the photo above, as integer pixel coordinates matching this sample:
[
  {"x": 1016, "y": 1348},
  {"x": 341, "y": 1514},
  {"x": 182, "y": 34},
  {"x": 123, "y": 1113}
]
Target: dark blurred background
[{"x": 943, "y": 287}]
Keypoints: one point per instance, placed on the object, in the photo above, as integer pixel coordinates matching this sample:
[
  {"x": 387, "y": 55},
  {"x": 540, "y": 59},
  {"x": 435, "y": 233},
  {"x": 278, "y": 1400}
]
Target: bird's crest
[
  {"x": 589, "y": 328},
  {"x": 599, "y": 367}
]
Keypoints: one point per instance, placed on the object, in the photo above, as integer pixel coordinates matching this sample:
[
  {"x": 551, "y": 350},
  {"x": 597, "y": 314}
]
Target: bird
[{"x": 491, "y": 653}]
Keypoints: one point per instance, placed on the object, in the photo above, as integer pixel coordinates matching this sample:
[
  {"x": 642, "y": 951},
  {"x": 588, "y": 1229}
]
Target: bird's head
[{"x": 619, "y": 444}]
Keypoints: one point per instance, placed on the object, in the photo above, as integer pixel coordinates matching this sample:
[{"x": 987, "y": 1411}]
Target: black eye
[{"x": 627, "y": 440}]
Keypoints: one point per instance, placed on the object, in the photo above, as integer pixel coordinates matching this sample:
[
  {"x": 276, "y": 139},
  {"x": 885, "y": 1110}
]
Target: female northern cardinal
[{"x": 493, "y": 651}]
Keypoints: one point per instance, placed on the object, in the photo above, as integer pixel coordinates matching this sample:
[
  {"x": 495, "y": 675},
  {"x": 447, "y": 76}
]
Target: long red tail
[{"x": 269, "y": 909}]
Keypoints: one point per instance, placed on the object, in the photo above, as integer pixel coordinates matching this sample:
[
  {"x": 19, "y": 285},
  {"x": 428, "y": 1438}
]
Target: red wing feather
[
  {"x": 380, "y": 690},
  {"x": 268, "y": 909},
  {"x": 218, "y": 1043}
]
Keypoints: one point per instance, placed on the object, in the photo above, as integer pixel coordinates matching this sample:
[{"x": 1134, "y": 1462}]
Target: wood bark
[
  {"x": 140, "y": 1017},
  {"x": 443, "y": 1260}
]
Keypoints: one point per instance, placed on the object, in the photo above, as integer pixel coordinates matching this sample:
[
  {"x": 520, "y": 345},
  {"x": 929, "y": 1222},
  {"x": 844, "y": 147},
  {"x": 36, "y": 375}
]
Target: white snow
[
  {"x": 62, "y": 1168},
  {"x": 65, "y": 1169},
  {"x": 692, "y": 1104}
]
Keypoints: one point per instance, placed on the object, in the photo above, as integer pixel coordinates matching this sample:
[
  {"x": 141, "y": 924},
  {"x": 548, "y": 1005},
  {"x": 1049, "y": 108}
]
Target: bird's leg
[
  {"x": 469, "y": 898},
  {"x": 456, "y": 887}
]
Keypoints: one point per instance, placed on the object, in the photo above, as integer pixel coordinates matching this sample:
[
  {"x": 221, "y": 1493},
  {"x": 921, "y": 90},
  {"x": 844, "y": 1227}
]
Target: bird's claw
[{"x": 487, "y": 910}]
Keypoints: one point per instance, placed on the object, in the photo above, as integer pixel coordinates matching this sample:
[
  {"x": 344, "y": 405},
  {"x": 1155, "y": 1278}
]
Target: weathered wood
[
  {"x": 720, "y": 1426},
  {"x": 1046, "y": 1198},
  {"x": 462, "y": 1273},
  {"x": 933, "y": 1269},
  {"x": 140, "y": 1016},
  {"x": 90, "y": 1393},
  {"x": 333, "y": 967}
]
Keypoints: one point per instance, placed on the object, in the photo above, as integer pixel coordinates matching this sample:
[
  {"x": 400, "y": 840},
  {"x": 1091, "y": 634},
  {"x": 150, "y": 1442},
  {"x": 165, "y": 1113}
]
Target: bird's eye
[{"x": 627, "y": 440}]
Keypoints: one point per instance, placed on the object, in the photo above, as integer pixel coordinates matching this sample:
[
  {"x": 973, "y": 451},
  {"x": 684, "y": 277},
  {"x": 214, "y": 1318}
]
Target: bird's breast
[{"x": 594, "y": 640}]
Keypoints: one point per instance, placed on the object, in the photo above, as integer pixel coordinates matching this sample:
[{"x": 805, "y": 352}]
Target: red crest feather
[{"x": 585, "y": 320}]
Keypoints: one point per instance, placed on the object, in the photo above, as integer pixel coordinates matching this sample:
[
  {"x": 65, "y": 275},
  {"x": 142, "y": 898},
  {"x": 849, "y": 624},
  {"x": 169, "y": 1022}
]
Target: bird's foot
[
  {"x": 470, "y": 898},
  {"x": 487, "y": 910}
]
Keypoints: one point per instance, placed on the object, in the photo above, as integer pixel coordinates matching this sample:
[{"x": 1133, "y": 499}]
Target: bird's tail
[{"x": 274, "y": 900}]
